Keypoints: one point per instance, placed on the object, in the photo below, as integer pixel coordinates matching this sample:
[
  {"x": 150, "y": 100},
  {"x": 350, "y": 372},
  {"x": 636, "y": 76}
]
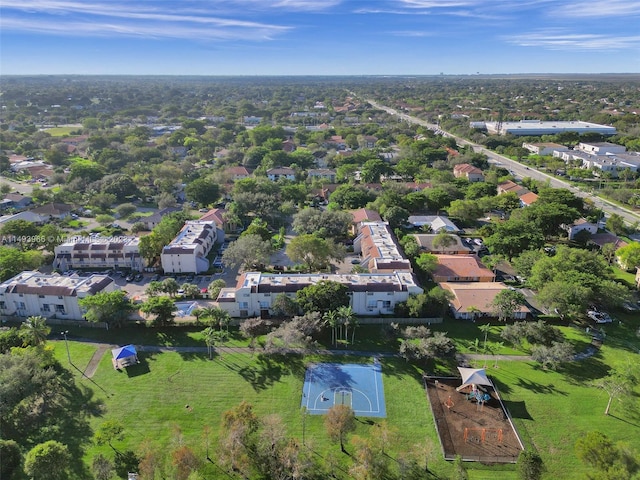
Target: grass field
[
  {"x": 171, "y": 396},
  {"x": 62, "y": 131}
]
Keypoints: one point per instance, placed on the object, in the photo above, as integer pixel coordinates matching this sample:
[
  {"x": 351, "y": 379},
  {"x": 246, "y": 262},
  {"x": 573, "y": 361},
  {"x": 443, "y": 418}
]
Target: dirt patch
[{"x": 476, "y": 431}]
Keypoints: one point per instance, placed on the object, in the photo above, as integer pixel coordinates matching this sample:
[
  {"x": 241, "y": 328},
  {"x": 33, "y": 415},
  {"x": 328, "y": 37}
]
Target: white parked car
[{"x": 599, "y": 317}]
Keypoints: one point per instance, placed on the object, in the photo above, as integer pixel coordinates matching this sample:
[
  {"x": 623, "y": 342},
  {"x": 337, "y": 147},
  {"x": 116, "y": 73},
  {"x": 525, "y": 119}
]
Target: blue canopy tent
[{"x": 124, "y": 356}]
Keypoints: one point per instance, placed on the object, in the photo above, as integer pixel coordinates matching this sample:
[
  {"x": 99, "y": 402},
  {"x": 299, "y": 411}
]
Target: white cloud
[
  {"x": 575, "y": 41},
  {"x": 133, "y": 29},
  {"x": 602, "y": 8},
  {"x": 412, "y": 33},
  {"x": 61, "y": 17}
]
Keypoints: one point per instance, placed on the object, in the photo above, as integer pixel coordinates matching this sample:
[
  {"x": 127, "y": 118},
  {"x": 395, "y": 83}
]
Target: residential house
[
  {"x": 510, "y": 186},
  {"x": 288, "y": 146},
  {"x": 14, "y": 158},
  {"x": 238, "y": 172},
  {"x": 219, "y": 217},
  {"x": 41, "y": 173},
  {"x": 378, "y": 249},
  {"x": 475, "y": 299},
  {"x": 275, "y": 174},
  {"x": 25, "y": 215},
  {"x": 21, "y": 166},
  {"x": 99, "y": 252},
  {"x": 527, "y": 199},
  {"x": 51, "y": 296},
  {"x": 471, "y": 173},
  {"x": 368, "y": 141},
  {"x": 56, "y": 211},
  {"x": 425, "y": 242},
  {"x": 16, "y": 201},
  {"x": 580, "y": 225},
  {"x": 187, "y": 253},
  {"x": 601, "y": 239},
  {"x": 151, "y": 221},
  {"x": 369, "y": 293},
  {"x": 462, "y": 268},
  {"x": 323, "y": 174},
  {"x": 435, "y": 222},
  {"x": 335, "y": 141}
]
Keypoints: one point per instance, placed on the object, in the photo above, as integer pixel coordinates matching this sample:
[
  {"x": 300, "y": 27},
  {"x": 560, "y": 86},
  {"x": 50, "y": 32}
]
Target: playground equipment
[
  {"x": 449, "y": 403},
  {"x": 482, "y": 434}
]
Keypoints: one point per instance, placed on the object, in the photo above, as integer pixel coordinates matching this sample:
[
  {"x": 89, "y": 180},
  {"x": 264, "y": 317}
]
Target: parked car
[
  {"x": 130, "y": 277},
  {"x": 138, "y": 278},
  {"x": 155, "y": 278},
  {"x": 599, "y": 317}
]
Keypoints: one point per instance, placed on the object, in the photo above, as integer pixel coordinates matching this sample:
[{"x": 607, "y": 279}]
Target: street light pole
[{"x": 66, "y": 343}]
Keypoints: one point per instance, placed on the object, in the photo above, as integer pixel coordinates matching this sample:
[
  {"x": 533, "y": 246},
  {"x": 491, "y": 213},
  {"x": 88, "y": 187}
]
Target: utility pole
[{"x": 66, "y": 343}]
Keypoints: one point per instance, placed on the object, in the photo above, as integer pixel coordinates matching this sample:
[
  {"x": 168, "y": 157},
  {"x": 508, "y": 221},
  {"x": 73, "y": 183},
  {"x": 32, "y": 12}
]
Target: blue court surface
[{"x": 356, "y": 385}]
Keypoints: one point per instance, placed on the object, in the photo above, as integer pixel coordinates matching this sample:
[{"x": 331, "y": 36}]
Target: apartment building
[
  {"x": 187, "y": 253},
  {"x": 99, "y": 252},
  {"x": 370, "y": 293},
  {"x": 53, "y": 296}
]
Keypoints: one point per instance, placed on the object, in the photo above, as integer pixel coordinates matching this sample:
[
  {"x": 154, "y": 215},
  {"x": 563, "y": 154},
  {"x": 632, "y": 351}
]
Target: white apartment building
[
  {"x": 371, "y": 293},
  {"x": 187, "y": 253},
  {"x": 99, "y": 252},
  {"x": 376, "y": 245},
  {"x": 53, "y": 296}
]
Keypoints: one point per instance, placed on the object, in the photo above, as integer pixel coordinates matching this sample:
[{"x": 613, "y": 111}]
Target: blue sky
[{"x": 319, "y": 37}]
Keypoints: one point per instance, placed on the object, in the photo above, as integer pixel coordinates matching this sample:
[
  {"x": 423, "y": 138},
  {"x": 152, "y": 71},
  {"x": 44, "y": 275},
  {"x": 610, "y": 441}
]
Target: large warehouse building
[{"x": 539, "y": 127}]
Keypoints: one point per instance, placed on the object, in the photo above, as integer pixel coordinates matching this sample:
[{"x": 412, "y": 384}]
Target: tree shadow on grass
[
  {"x": 269, "y": 369},
  {"x": 69, "y": 420},
  {"x": 586, "y": 370}
]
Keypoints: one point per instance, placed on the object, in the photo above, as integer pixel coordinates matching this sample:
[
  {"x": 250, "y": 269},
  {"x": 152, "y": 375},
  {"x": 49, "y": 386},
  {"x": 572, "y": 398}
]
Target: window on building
[
  {"x": 60, "y": 309},
  {"x": 22, "y": 306},
  {"x": 45, "y": 308},
  {"x": 243, "y": 305},
  {"x": 386, "y": 304}
]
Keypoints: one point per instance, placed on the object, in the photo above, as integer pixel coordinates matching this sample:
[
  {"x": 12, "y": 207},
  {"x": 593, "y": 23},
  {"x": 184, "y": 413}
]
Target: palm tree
[
  {"x": 34, "y": 330},
  {"x": 485, "y": 329},
  {"x": 210, "y": 337},
  {"x": 498, "y": 347},
  {"x": 332, "y": 319},
  {"x": 346, "y": 316}
]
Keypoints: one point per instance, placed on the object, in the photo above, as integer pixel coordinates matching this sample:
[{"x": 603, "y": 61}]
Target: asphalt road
[
  {"x": 519, "y": 170},
  {"x": 20, "y": 187}
]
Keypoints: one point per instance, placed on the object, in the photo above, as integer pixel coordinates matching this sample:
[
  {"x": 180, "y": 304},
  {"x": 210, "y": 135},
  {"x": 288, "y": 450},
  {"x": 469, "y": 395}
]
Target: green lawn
[
  {"x": 551, "y": 409},
  {"x": 62, "y": 131}
]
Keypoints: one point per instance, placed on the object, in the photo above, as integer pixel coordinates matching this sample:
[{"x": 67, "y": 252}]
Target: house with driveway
[
  {"x": 472, "y": 300},
  {"x": 461, "y": 268}
]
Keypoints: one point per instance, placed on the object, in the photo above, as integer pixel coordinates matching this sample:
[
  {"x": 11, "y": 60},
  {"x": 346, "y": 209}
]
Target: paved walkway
[{"x": 102, "y": 348}]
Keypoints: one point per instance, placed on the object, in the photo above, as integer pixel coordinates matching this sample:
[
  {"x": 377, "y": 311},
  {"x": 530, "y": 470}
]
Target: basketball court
[{"x": 356, "y": 385}]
